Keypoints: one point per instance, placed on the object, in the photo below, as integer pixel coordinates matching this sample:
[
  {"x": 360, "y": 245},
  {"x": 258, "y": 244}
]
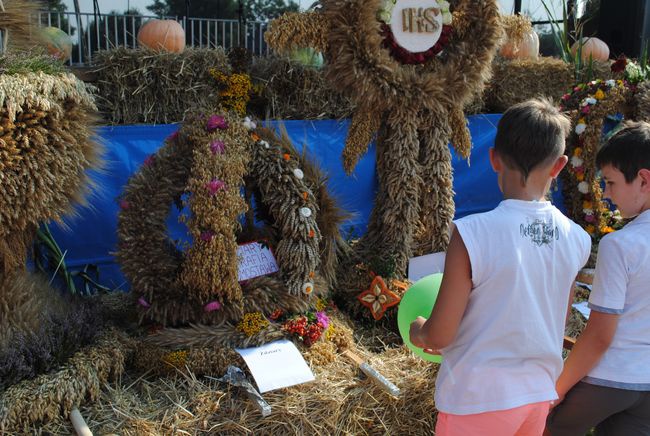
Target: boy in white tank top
[
  {"x": 501, "y": 309},
  {"x": 606, "y": 378}
]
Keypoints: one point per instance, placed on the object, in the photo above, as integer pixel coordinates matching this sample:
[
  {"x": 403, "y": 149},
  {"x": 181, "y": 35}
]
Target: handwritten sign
[
  {"x": 255, "y": 260},
  {"x": 276, "y": 365},
  {"x": 416, "y": 24}
]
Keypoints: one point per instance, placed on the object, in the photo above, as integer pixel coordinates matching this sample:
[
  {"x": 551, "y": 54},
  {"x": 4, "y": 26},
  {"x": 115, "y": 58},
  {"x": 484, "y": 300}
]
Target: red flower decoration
[
  {"x": 619, "y": 65},
  {"x": 407, "y": 57},
  {"x": 378, "y": 298}
]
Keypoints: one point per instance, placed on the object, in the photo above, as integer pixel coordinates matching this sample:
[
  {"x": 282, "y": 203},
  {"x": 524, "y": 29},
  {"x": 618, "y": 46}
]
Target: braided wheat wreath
[{"x": 204, "y": 168}]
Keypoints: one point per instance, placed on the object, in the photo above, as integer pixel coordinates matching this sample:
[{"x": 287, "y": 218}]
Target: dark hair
[
  {"x": 628, "y": 150},
  {"x": 531, "y": 133}
]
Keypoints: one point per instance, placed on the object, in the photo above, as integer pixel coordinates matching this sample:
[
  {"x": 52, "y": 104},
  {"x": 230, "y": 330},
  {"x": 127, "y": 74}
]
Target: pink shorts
[{"x": 528, "y": 420}]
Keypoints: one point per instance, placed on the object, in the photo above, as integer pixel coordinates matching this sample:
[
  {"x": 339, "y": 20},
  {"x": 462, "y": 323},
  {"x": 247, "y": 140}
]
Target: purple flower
[
  {"x": 217, "y": 147},
  {"x": 142, "y": 302},
  {"x": 173, "y": 136},
  {"x": 323, "y": 319},
  {"x": 565, "y": 97},
  {"x": 124, "y": 205},
  {"x": 212, "y": 306},
  {"x": 590, "y": 218},
  {"x": 207, "y": 236},
  {"x": 216, "y": 122},
  {"x": 215, "y": 186},
  {"x": 149, "y": 160},
  {"x": 586, "y": 109}
]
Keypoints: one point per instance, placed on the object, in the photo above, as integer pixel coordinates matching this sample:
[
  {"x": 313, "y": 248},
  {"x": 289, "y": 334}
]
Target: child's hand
[{"x": 415, "y": 332}]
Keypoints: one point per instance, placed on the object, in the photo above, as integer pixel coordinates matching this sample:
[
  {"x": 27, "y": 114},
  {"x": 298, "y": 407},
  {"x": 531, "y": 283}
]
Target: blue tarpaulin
[{"x": 91, "y": 237}]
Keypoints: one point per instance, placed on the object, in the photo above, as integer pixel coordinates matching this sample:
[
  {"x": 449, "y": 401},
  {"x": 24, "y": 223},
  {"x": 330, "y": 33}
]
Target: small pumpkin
[
  {"x": 162, "y": 35},
  {"x": 526, "y": 48},
  {"x": 592, "y": 48},
  {"x": 57, "y": 42}
]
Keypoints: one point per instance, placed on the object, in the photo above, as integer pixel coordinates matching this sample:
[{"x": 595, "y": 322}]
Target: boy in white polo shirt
[
  {"x": 501, "y": 309},
  {"x": 606, "y": 378}
]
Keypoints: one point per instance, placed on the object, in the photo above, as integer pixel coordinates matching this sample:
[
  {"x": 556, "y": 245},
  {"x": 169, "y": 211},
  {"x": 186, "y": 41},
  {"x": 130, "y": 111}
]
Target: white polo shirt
[
  {"x": 622, "y": 286},
  {"x": 508, "y": 351}
]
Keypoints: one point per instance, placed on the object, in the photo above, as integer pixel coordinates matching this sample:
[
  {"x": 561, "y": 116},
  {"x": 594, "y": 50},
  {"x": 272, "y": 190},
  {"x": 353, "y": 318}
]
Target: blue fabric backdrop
[{"x": 91, "y": 237}]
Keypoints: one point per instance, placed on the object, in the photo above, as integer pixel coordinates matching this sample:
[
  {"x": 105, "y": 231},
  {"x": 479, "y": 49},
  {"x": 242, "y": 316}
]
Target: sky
[{"x": 533, "y": 6}]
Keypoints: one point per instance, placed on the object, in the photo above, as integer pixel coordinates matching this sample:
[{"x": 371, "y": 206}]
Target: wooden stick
[
  {"x": 372, "y": 373},
  {"x": 79, "y": 423}
]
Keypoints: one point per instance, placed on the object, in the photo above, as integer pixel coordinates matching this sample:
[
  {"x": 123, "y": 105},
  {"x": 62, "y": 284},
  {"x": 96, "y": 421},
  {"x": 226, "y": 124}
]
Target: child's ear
[
  {"x": 559, "y": 164},
  {"x": 644, "y": 175},
  {"x": 495, "y": 161}
]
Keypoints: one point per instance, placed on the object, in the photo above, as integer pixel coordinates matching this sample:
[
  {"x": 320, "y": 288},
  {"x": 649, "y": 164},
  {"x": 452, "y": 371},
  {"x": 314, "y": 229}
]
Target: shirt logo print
[{"x": 539, "y": 232}]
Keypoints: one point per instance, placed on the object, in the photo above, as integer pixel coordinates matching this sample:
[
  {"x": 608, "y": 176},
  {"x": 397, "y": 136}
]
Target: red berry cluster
[
  {"x": 308, "y": 332},
  {"x": 406, "y": 57}
]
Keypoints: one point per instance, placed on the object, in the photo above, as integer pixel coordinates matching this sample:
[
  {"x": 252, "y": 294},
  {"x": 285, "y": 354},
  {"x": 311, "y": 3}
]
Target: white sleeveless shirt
[{"x": 508, "y": 350}]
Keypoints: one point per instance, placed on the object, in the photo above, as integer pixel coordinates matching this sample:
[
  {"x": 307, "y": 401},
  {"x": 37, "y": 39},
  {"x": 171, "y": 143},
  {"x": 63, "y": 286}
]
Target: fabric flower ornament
[
  {"x": 378, "y": 298},
  {"x": 590, "y": 218},
  {"x": 307, "y": 288},
  {"x": 305, "y": 211},
  {"x": 207, "y": 236},
  {"x": 591, "y": 100},
  {"x": 583, "y": 187},
  {"x": 217, "y": 147},
  {"x": 611, "y": 83},
  {"x": 149, "y": 160},
  {"x": 212, "y": 306},
  {"x": 144, "y": 303},
  {"x": 215, "y": 186},
  {"x": 580, "y": 128},
  {"x": 265, "y": 144},
  {"x": 249, "y": 124},
  {"x": 599, "y": 95},
  {"x": 577, "y": 161},
  {"x": 124, "y": 205},
  {"x": 216, "y": 122},
  {"x": 298, "y": 173},
  {"x": 585, "y": 110},
  {"x": 588, "y": 211}
]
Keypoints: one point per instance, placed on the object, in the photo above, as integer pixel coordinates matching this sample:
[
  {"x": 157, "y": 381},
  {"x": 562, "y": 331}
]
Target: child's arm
[
  {"x": 440, "y": 329},
  {"x": 587, "y": 351}
]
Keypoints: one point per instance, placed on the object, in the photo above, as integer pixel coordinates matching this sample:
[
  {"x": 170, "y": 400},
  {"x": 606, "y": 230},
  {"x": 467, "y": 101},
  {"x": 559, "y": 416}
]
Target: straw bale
[
  {"x": 143, "y": 86},
  {"x": 520, "y": 80},
  {"x": 291, "y": 90}
]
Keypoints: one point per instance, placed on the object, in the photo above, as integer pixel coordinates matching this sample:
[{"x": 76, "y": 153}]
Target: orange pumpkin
[
  {"x": 592, "y": 48},
  {"x": 527, "y": 48},
  {"x": 162, "y": 35}
]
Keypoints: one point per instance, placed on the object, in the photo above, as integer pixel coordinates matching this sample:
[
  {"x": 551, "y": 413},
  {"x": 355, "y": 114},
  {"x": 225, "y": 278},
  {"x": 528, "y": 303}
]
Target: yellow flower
[
  {"x": 320, "y": 305},
  {"x": 606, "y": 229},
  {"x": 577, "y": 151},
  {"x": 587, "y": 205},
  {"x": 176, "y": 359},
  {"x": 599, "y": 95},
  {"x": 580, "y": 177},
  {"x": 252, "y": 323},
  {"x": 582, "y": 121},
  {"x": 590, "y": 229}
]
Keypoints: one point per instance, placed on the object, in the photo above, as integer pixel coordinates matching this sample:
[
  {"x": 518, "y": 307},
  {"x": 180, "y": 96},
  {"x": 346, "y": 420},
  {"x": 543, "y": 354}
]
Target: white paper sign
[
  {"x": 422, "y": 266},
  {"x": 255, "y": 260},
  {"x": 276, "y": 365},
  {"x": 583, "y": 308}
]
